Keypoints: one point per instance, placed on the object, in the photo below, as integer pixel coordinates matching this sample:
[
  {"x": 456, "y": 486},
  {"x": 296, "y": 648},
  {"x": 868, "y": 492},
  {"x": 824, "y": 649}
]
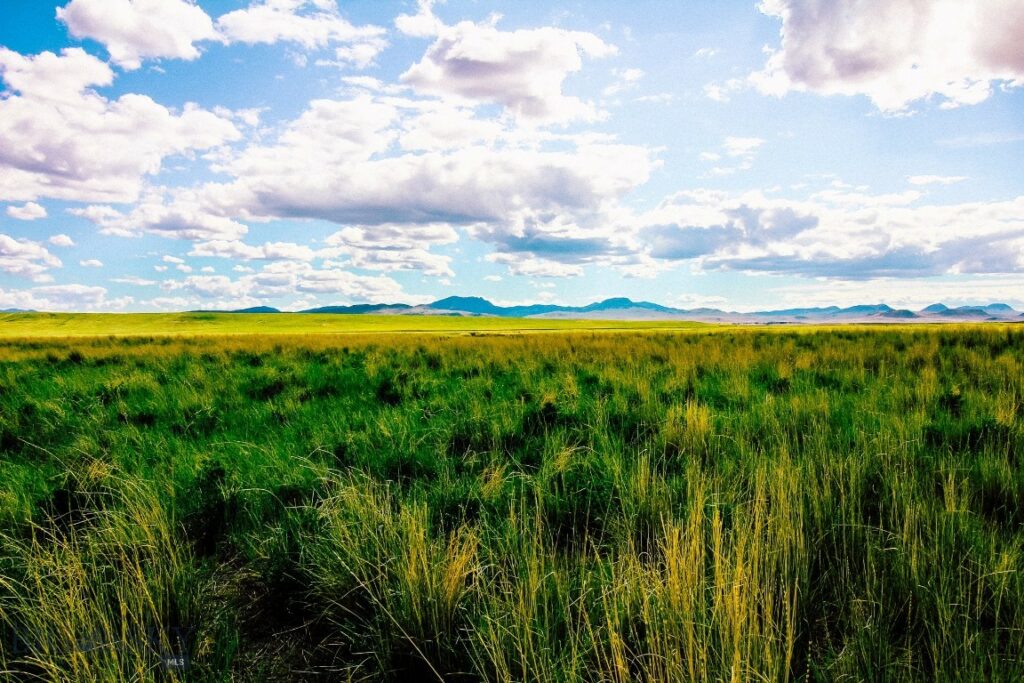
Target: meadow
[{"x": 458, "y": 504}]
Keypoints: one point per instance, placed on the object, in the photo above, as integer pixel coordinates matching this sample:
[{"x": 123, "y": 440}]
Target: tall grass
[{"x": 733, "y": 506}]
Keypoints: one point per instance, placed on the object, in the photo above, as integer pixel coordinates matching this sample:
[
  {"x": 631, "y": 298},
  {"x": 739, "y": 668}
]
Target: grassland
[
  {"x": 50, "y": 325},
  {"x": 659, "y": 505}
]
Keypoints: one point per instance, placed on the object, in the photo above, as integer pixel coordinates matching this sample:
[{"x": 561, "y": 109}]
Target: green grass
[
  {"x": 659, "y": 505},
  {"x": 13, "y": 325}
]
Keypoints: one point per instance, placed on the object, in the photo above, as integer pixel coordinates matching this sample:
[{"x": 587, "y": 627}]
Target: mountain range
[{"x": 621, "y": 308}]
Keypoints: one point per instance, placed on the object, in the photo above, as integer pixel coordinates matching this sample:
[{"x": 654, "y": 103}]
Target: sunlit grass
[
  {"x": 190, "y": 324},
  {"x": 707, "y": 504}
]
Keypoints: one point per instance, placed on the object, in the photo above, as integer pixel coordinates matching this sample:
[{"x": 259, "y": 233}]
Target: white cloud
[
  {"x": 741, "y": 147},
  {"x": 699, "y": 301},
  {"x": 60, "y": 139},
  {"x": 134, "y": 281},
  {"x": 91, "y": 263},
  {"x": 48, "y": 77},
  {"x": 423, "y": 24},
  {"x": 935, "y": 179},
  {"x": 741, "y": 150},
  {"x": 896, "y": 52},
  {"x": 914, "y": 294},
  {"x": 285, "y": 278},
  {"x": 392, "y": 247},
  {"x": 338, "y": 162},
  {"x": 521, "y": 70},
  {"x": 657, "y": 98},
  {"x": 837, "y": 235},
  {"x": 722, "y": 92},
  {"x": 181, "y": 217},
  {"x": 535, "y": 267},
  {"x": 174, "y": 303},
  {"x": 27, "y": 212},
  {"x": 61, "y": 241},
  {"x": 133, "y": 30},
  {"x": 625, "y": 79},
  {"x": 74, "y": 297},
  {"x": 269, "y": 251},
  {"x": 312, "y": 24},
  {"x": 443, "y": 126},
  {"x": 360, "y": 55},
  {"x": 26, "y": 258}
]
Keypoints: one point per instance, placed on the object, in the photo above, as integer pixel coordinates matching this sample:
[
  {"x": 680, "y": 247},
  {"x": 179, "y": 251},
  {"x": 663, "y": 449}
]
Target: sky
[{"x": 174, "y": 155}]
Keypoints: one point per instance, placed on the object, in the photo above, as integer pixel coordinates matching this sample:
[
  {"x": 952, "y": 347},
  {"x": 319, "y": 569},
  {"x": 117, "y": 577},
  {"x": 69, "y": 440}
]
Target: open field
[
  {"x": 649, "y": 504},
  {"x": 191, "y": 324}
]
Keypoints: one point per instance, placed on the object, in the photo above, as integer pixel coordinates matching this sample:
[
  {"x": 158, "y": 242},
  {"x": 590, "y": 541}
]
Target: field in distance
[
  {"x": 631, "y": 505},
  {"x": 187, "y": 324}
]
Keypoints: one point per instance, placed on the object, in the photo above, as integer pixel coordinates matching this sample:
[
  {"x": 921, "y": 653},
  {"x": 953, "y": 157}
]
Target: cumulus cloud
[
  {"x": 312, "y": 24},
  {"x": 935, "y": 179},
  {"x": 26, "y": 212},
  {"x": 522, "y": 70},
  {"x": 26, "y": 258},
  {"x": 625, "y": 79},
  {"x": 134, "y": 281},
  {"x": 535, "y": 267},
  {"x": 441, "y": 126},
  {"x": 61, "y": 241},
  {"x": 906, "y": 293},
  {"x": 338, "y": 162},
  {"x": 423, "y": 24},
  {"x": 830, "y": 236},
  {"x": 359, "y": 55},
  {"x": 392, "y": 247},
  {"x": 741, "y": 147},
  {"x": 179, "y": 215},
  {"x": 74, "y": 297},
  {"x": 61, "y": 139},
  {"x": 269, "y": 251},
  {"x": 91, "y": 263},
  {"x": 283, "y": 278},
  {"x": 896, "y": 52},
  {"x": 739, "y": 150},
  {"x": 133, "y": 30}
]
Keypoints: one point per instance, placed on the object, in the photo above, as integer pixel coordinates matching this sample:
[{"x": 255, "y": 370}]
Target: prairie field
[{"x": 352, "y": 498}]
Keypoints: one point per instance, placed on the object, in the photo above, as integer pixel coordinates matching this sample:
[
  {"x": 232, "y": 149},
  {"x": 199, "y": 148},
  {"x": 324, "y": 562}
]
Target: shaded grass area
[{"x": 839, "y": 504}]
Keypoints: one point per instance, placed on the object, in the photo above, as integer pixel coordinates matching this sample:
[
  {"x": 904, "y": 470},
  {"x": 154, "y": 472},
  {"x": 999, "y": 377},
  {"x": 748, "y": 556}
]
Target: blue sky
[{"x": 171, "y": 155}]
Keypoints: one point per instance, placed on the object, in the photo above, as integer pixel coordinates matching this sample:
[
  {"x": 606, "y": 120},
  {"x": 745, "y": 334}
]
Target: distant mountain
[
  {"x": 867, "y": 309},
  {"x": 17, "y": 310},
  {"x": 797, "y": 312},
  {"x": 965, "y": 312},
  {"x": 619, "y": 303},
  {"x": 357, "y": 308},
  {"x": 257, "y": 309},
  {"x": 476, "y": 305},
  {"x": 834, "y": 311},
  {"x": 252, "y": 309},
  {"x": 898, "y": 313},
  {"x": 623, "y": 308},
  {"x": 467, "y": 304}
]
